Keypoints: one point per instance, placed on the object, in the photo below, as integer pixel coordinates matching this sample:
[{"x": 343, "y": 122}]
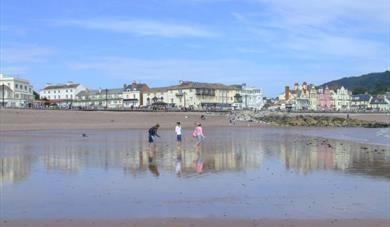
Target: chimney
[
  {"x": 181, "y": 82},
  {"x": 124, "y": 86},
  {"x": 287, "y": 93},
  {"x": 296, "y": 87},
  {"x": 304, "y": 87}
]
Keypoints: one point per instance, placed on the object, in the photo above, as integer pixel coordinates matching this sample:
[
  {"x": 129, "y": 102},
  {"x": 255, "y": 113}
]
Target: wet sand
[
  {"x": 206, "y": 222},
  {"x": 52, "y": 176}
]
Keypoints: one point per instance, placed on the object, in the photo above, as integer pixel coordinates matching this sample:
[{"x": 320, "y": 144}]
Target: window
[
  {"x": 134, "y": 96},
  {"x": 25, "y": 87},
  {"x": 66, "y": 91},
  {"x": 55, "y": 91},
  {"x": 16, "y": 85}
]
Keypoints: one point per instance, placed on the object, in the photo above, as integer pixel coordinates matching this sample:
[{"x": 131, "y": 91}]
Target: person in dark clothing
[{"x": 153, "y": 133}]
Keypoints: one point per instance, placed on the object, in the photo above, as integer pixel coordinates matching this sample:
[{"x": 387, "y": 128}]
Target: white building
[
  {"x": 15, "y": 92},
  {"x": 133, "y": 95},
  {"x": 193, "y": 95},
  {"x": 61, "y": 92},
  {"x": 99, "y": 99},
  {"x": 341, "y": 99},
  {"x": 249, "y": 98}
]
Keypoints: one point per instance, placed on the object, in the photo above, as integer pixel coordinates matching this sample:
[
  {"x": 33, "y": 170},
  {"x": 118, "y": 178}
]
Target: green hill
[{"x": 373, "y": 83}]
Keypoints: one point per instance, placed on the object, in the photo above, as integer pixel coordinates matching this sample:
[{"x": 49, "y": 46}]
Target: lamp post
[
  {"x": 184, "y": 97},
  {"x": 3, "y": 92},
  {"x": 106, "y": 99}
]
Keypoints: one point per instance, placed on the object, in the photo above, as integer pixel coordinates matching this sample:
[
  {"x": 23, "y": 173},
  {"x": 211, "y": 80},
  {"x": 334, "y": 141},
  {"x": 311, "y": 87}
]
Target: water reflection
[
  {"x": 226, "y": 151},
  {"x": 15, "y": 163},
  {"x": 309, "y": 154}
]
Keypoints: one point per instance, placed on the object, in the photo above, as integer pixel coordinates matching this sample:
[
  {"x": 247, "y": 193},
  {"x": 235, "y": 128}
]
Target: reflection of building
[
  {"x": 15, "y": 92},
  {"x": 310, "y": 154},
  {"x": 14, "y": 168},
  {"x": 65, "y": 161}
]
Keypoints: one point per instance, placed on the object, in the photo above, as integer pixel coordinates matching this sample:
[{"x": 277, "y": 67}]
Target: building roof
[
  {"x": 61, "y": 86},
  {"x": 136, "y": 86},
  {"x": 378, "y": 100},
  {"x": 361, "y": 97},
  {"x": 103, "y": 91},
  {"x": 191, "y": 84},
  {"x": 195, "y": 85}
]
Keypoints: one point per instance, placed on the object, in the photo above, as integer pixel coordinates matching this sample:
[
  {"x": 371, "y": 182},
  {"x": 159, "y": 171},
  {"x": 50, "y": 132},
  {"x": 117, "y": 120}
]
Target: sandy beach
[
  {"x": 244, "y": 176},
  {"x": 12, "y": 119},
  {"x": 207, "y": 222},
  {"x": 23, "y": 119}
]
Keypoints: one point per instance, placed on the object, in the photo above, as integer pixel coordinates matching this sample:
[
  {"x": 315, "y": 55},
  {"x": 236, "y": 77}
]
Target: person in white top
[{"x": 178, "y": 132}]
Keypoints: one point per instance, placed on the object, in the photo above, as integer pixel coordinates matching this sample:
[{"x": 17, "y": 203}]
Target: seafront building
[
  {"x": 302, "y": 97},
  {"x": 61, "y": 94},
  {"x": 341, "y": 99},
  {"x": 15, "y": 92},
  {"x": 309, "y": 98},
  {"x": 360, "y": 102},
  {"x": 378, "y": 104},
  {"x": 133, "y": 95},
  {"x": 194, "y": 95},
  {"x": 99, "y": 99},
  {"x": 249, "y": 98}
]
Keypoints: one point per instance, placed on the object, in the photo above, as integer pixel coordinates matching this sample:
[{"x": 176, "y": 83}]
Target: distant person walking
[
  {"x": 178, "y": 132},
  {"x": 153, "y": 133},
  {"x": 198, "y": 135}
]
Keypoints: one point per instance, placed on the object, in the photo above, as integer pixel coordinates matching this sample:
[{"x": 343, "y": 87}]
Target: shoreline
[{"x": 204, "y": 222}]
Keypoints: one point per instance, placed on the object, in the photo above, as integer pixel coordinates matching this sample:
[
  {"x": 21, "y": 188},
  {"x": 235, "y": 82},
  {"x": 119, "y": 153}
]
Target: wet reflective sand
[{"x": 237, "y": 173}]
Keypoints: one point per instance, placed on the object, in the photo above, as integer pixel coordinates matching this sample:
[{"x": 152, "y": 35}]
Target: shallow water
[{"x": 247, "y": 173}]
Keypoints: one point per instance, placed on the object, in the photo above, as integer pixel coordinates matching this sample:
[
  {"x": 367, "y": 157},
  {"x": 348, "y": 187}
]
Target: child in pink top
[{"x": 198, "y": 134}]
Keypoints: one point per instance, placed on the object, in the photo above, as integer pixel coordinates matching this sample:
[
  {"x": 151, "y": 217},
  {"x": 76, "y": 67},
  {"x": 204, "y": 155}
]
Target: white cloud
[
  {"x": 318, "y": 29},
  {"x": 19, "y": 53},
  {"x": 141, "y": 27}
]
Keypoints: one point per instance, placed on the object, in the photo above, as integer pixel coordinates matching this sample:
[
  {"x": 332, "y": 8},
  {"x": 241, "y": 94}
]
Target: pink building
[{"x": 324, "y": 99}]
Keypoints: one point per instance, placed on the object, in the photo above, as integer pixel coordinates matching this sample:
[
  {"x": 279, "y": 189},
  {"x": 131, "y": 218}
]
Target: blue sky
[{"x": 264, "y": 43}]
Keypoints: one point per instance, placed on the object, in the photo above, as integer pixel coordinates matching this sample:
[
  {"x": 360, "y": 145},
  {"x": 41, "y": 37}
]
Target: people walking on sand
[
  {"x": 198, "y": 135},
  {"x": 178, "y": 132},
  {"x": 153, "y": 133}
]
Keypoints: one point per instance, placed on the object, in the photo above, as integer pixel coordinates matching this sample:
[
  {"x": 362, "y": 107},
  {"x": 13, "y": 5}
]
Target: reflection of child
[
  {"x": 198, "y": 162},
  {"x": 178, "y": 165},
  {"x": 178, "y": 160},
  {"x": 198, "y": 165}
]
